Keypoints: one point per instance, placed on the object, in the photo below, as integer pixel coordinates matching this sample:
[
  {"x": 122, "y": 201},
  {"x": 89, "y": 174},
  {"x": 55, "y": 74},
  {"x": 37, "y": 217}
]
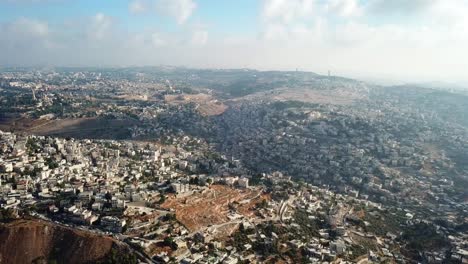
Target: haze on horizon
[{"x": 416, "y": 41}]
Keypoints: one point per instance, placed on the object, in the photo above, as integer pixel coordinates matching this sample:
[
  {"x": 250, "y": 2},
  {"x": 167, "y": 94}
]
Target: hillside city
[{"x": 237, "y": 166}]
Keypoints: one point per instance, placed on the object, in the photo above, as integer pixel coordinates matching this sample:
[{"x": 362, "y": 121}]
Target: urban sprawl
[{"x": 238, "y": 166}]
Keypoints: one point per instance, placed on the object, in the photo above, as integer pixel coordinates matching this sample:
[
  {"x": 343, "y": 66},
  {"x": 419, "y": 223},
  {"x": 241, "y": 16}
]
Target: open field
[
  {"x": 78, "y": 127},
  {"x": 206, "y": 104},
  {"x": 337, "y": 97},
  {"x": 21, "y": 124}
]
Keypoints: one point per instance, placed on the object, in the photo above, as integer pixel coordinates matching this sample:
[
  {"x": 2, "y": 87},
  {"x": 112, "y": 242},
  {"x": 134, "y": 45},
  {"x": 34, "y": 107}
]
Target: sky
[{"x": 405, "y": 40}]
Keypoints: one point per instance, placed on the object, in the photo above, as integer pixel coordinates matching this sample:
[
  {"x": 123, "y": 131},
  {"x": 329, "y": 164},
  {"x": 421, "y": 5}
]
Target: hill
[{"x": 35, "y": 241}]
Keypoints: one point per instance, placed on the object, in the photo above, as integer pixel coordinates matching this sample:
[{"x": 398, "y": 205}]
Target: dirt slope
[{"x": 34, "y": 241}]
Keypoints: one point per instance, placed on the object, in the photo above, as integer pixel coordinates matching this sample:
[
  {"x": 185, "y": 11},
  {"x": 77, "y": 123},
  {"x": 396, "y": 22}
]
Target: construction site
[{"x": 215, "y": 206}]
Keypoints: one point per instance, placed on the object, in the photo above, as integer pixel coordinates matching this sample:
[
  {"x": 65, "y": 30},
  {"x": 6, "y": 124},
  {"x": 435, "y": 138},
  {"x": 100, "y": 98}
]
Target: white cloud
[
  {"x": 24, "y": 40},
  {"x": 344, "y": 8},
  {"x": 100, "y": 26},
  {"x": 180, "y": 10},
  {"x": 30, "y": 27},
  {"x": 402, "y": 38},
  {"x": 402, "y": 7},
  {"x": 199, "y": 37},
  {"x": 139, "y": 6},
  {"x": 283, "y": 19},
  {"x": 157, "y": 40},
  {"x": 286, "y": 11},
  {"x": 449, "y": 13}
]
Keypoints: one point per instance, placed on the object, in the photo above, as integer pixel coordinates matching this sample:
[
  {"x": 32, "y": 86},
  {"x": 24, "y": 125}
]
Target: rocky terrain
[{"x": 43, "y": 242}]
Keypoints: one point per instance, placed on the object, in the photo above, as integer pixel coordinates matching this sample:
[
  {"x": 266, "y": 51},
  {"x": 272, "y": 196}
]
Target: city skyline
[{"x": 417, "y": 41}]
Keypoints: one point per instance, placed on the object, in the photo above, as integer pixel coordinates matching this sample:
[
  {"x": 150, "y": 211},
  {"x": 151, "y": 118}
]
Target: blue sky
[
  {"x": 238, "y": 16},
  {"x": 381, "y": 39}
]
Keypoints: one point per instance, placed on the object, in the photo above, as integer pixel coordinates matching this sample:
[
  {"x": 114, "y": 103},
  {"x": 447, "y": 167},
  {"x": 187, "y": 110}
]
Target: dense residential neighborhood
[{"x": 183, "y": 168}]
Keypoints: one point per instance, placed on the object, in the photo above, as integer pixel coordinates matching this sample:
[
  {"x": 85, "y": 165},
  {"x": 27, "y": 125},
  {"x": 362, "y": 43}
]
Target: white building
[
  {"x": 243, "y": 182},
  {"x": 180, "y": 187}
]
